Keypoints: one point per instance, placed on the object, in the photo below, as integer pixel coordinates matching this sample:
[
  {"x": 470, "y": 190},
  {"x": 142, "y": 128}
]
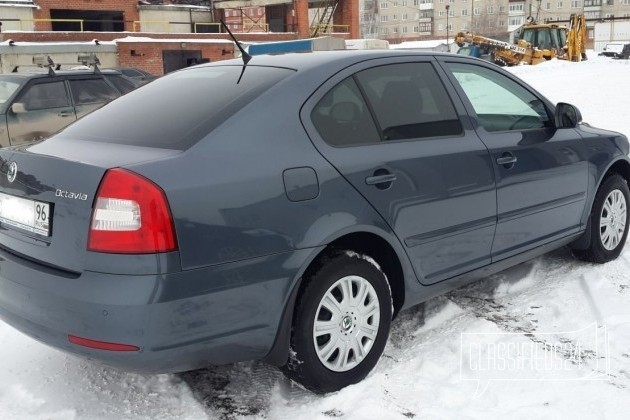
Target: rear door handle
[
  {"x": 507, "y": 160},
  {"x": 381, "y": 181},
  {"x": 65, "y": 113}
]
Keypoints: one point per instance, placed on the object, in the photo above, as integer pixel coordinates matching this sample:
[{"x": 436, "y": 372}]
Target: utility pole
[{"x": 447, "y": 7}]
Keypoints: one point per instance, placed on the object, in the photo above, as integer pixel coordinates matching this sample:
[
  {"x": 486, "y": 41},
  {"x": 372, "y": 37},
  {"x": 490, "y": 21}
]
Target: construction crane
[{"x": 535, "y": 43}]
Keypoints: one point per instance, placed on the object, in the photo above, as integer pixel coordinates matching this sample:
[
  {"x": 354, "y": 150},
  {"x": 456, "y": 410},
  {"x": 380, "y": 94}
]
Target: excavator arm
[{"x": 505, "y": 54}]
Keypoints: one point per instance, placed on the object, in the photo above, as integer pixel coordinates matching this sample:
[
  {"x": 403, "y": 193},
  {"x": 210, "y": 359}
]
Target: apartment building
[{"x": 400, "y": 20}]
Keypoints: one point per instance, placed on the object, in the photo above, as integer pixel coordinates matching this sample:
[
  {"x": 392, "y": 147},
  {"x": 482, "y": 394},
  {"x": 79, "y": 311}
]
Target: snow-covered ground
[{"x": 569, "y": 319}]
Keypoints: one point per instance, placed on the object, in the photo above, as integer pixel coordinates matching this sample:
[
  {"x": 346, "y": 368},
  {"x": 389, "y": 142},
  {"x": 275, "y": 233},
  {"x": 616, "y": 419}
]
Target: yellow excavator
[{"x": 535, "y": 43}]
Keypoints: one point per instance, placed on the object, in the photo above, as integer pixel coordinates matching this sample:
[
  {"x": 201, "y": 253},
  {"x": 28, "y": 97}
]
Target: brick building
[{"x": 86, "y": 15}]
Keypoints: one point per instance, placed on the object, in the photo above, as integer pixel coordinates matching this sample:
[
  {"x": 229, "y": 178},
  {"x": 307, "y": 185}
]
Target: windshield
[
  {"x": 177, "y": 110},
  {"x": 7, "y": 88}
]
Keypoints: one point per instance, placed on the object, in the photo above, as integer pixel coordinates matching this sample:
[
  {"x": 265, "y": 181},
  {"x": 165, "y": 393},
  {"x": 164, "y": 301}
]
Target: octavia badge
[{"x": 12, "y": 172}]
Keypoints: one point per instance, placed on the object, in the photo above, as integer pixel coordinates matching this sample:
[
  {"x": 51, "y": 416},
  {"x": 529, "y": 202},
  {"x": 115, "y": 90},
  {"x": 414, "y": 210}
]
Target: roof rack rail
[
  {"x": 44, "y": 61},
  {"x": 90, "y": 60}
]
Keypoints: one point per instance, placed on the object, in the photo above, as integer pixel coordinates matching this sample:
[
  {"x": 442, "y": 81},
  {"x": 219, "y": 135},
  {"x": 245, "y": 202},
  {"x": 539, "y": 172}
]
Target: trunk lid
[{"x": 57, "y": 181}]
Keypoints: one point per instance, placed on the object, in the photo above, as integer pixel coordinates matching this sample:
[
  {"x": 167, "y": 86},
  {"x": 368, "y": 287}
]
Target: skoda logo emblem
[{"x": 12, "y": 172}]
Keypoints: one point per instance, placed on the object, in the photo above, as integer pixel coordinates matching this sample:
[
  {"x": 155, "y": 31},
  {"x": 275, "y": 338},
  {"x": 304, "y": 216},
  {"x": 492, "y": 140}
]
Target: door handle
[
  {"x": 64, "y": 114},
  {"x": 381, "y": 179},
  {"x": 507, "y": 160}
]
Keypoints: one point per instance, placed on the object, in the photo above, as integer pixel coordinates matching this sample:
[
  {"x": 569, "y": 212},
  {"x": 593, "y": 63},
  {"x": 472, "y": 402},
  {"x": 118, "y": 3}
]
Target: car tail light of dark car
[{"x": 131, "y": 215}]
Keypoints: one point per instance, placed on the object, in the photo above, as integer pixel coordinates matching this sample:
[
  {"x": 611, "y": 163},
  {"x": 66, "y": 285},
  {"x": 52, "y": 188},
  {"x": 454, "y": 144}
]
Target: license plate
[{"x": 32, "y": 216}]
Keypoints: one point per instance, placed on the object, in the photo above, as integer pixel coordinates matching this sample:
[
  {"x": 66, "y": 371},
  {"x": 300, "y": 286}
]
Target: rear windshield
[{"x": 178, "y": 110}]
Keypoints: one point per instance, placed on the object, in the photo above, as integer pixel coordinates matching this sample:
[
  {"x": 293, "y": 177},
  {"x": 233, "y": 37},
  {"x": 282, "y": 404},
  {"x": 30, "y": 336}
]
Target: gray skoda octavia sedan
[{"x": 287, "y": 210}]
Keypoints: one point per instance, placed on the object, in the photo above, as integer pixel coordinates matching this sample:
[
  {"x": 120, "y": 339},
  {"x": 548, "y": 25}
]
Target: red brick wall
[
  {"x": 301, "y": 15},
  {"x": 148, "y": 55},
  {"x": 128, "y": 7},
  {"x": 348, "y": 14}
]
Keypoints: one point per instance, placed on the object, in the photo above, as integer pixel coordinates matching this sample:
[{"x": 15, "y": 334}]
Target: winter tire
[
  {"x": 608, "y": 221},
  {"x": 341, "y": 323}
]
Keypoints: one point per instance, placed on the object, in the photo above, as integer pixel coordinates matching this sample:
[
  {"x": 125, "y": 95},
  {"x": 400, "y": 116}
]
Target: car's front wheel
[
  {"x": 608, "y": 221},
  {"x": 341, "y": 323}
]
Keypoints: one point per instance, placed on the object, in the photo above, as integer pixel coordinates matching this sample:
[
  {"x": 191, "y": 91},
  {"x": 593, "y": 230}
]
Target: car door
[
  {"x": 42, "y": 109},
  {"x": 89, "y": 94},
  {"x": 541, "y": 172},
  {"x": 391, "y": 128}
]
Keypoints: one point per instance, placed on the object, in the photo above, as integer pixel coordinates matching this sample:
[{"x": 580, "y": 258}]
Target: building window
[
  {"x": 575, "y": 4},
  {"x": 440, "y": 27},
  {"x": 559, "y": 5},
  {"x": 395, "y": 30},
  {"x": 384, "y": 18},
  {"x": 441, "y": 13},
  {"x": 547, "y": 6},
  {"x": 476, "y": 11},
  {"x": 404, "y": 16},
  {"x": 395, "y": 17},
  {"x": 490, "y": 10},
  {"x": 451, "y": 13},
  {"x": 464, "y": 12},
  {"x": 501, "y": 9},
  {"x": 384, "y": 31},
  {"x": 404, "y": 30},
  {"x": 516, "y": 7}
]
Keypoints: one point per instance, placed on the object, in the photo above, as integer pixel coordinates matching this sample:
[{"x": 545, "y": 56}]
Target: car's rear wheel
[
  {"x": 341, "y": 323},
  {"x": 608, "y": 221}
]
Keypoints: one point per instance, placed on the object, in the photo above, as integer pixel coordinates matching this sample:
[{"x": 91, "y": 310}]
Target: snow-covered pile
[{"x": 574, "y": 316}]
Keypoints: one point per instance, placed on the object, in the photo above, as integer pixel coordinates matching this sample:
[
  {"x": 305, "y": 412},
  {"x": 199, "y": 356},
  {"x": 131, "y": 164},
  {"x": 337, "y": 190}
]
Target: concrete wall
[
  {"x": 64, "y": 54},
  {"x": 10, "y": 17}
]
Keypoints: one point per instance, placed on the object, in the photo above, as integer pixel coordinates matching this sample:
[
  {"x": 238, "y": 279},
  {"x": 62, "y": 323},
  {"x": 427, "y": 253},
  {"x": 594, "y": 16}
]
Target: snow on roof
[
  {"x": 17, "y": 3},
  {"x": 418, "y": 44},
  {"x": 191, "y": 40},
  {"x": 25, "y": 44}
]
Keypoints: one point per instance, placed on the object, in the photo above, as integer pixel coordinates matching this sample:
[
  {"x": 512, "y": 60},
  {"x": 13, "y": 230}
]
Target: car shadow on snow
[{"x": 246, "y": 389}]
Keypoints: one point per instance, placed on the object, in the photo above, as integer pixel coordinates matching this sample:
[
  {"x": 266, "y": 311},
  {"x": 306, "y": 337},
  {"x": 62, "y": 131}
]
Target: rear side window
[
  {"x": 123, "y": 85},
  {"x": 92, "y": 91},
  {"x": 342, "y": 117},
  {"x": 407, "y": 100},
  {"x": 176, "y": 111},
  {"x": 45, "y": 96}
]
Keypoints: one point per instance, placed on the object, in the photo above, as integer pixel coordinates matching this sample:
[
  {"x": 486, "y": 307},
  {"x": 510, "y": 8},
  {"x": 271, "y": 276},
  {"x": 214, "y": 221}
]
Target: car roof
[
  {"x": 59, "y": 73},
  {"x": 311, "y": 60}
]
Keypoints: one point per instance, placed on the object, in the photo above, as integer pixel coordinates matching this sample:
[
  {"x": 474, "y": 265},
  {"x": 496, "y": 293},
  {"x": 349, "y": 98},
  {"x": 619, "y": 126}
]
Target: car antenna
[{"x": 244, "y": 54}]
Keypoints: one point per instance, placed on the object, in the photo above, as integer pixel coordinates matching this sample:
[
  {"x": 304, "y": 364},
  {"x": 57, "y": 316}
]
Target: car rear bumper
[{"x": 179, "y": 321}]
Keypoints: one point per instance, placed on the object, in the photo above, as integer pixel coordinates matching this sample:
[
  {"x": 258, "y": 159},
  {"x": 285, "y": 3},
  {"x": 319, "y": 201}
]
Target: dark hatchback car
[
  {"x": 35, "y": 105},
  {"x": 287, "y": 210}
]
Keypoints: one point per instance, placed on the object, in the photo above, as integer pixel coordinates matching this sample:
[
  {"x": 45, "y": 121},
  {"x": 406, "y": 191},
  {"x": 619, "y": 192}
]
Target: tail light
[{"x": 131, "y": 216}]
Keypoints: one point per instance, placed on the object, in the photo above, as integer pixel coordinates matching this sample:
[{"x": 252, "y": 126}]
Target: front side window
[
  {"x": 7, "y": 88},
  {"x": 499, "y": 102},
  {"x": 45, "y": 96}
]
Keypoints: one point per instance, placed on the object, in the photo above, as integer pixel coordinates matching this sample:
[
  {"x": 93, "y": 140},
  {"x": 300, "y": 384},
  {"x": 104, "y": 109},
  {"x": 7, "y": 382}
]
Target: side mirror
[
  {"x": 18, "y": 108},
  {"x": 567, "y": 116}
]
